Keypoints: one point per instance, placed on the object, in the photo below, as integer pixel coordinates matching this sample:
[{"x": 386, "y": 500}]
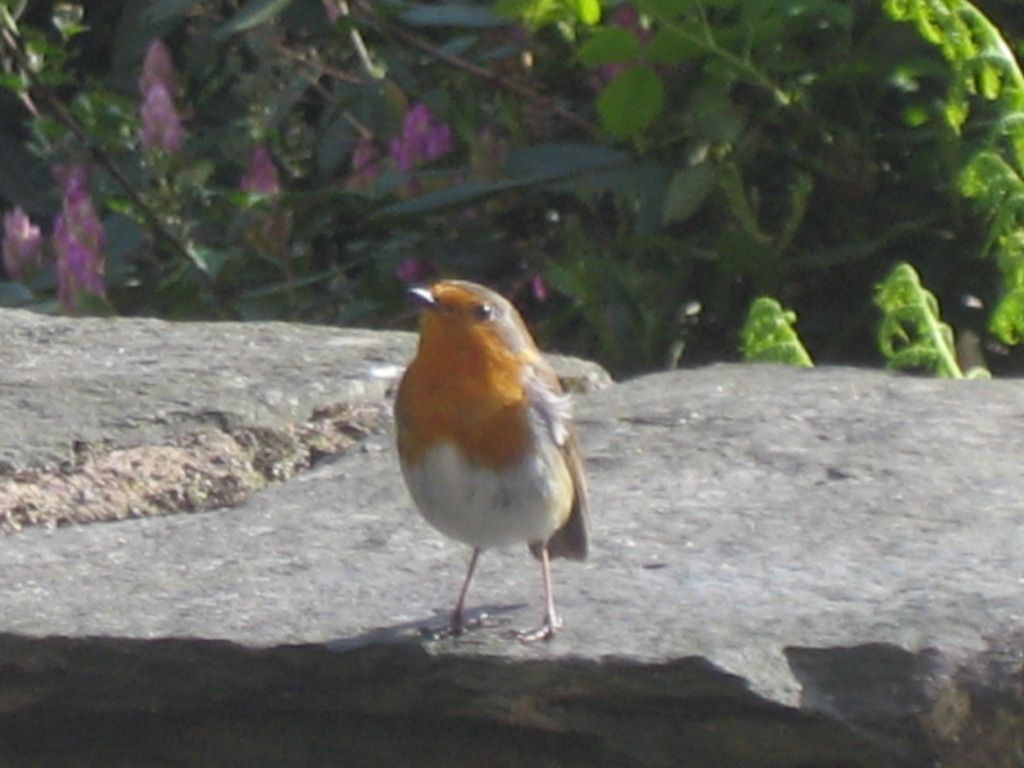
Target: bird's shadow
[{"x": 434, "y": 629}]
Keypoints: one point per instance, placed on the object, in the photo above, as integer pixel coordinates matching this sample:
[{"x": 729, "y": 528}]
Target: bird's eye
[{"x": 483, "y": 312}]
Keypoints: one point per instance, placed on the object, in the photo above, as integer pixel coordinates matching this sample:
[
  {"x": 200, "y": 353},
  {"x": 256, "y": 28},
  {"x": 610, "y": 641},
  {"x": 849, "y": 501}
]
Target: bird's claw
[{"x": 546, "y": 631}]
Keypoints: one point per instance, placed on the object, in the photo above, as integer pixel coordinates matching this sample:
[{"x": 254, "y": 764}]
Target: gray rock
[
  {"x": 105, "y": 419},
  {"x": 789, "y": 568}
]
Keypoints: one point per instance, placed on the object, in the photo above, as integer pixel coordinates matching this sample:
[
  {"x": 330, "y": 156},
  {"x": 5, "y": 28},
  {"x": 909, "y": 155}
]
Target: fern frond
[
  {"x": 984, "y": 67},
  {"x": 769, "y": 335},
  {"x": 912, "y": 334}
]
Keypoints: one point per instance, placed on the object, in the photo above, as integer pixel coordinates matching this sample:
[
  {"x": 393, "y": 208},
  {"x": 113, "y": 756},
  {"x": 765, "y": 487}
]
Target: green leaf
[
  {"x": 673, "y": 45},
  {"x": 666, "y": 8},
  {"x": 161, "y": 10},
  {"x": 610, "y": 45},
  {"x": 1007, "y": 321},
  {"x": 14, "y": 8},
  {"x": 537, "y": 14},
  {"x": 89, "y": 304},
  {"x": 208, "y": 260},
  {"x": 731, "y": 183},
  {"x": 587, "y": 11},
  {"x": 13, "y": 82},
  {"x": 125, "y": 240},
  {"x": 631, "y": 102},
  {"x": 254, "y": 13},
  {"x": 799, "y": 198},
  {"x": 14, "y": 294},
  {"x": 912, "y": 334},
  {"x": 526, "y": 167},
  {"x": 558, "y": 160},
  {"x": 687, "y": 191},
  {"x": 67, "y": 18},
  {"x": 448, "y": 197},
  {"x": 26, "y": 179},
  {"x": 768, "y": 335},
  {"x": 451, "y": 15},
  {"x": 831, "y": 11}
]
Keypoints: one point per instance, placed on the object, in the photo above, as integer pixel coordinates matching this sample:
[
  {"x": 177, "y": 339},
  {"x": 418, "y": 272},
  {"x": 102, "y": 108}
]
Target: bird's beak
[{"x": 423, "y": 297}]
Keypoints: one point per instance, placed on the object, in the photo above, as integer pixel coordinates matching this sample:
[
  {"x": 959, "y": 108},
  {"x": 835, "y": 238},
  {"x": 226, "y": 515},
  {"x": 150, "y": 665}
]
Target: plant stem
[
  {"x": 476, "y": 70},
  {"x": 708, "y": 43}
]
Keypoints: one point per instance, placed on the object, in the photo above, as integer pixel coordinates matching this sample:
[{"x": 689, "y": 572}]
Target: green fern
[
  {"x": 769, "y": 336},
  {"x": 983, "y": 63},
  {"x": 984, "y": 67},
  {"x": 912, "y": 335}
]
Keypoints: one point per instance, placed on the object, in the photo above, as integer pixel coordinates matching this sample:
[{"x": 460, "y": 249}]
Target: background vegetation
[{"x": 634, "y": 175}]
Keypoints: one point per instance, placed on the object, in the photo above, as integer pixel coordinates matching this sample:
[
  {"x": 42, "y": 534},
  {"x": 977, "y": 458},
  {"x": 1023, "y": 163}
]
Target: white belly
[{"x": 483, "y": 508}]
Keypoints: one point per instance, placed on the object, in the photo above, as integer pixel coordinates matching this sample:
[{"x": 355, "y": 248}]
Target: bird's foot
[
  {"x": 457, "y": 626},
  {"x": 547, "y": 630}
]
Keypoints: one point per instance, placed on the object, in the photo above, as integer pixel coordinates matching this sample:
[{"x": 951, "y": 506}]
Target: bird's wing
[{"x": 554, "y": 408}]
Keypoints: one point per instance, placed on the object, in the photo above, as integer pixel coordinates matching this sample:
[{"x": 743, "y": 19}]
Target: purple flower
[
  {"x": 261, "y": 176},
  {"x": 79, "y": 239},
  {"x": 158, "y": 69},
  {"x": 22, "y": 246},
  {"x": 161, "y": 124},
  {"x": 423, "y": 138}
]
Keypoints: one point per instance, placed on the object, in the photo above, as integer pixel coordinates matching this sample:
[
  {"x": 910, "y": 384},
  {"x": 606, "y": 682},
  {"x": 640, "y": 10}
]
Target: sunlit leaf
[
  {"x": 912, "y": 334},
  {"x": 769, "y": 335}
]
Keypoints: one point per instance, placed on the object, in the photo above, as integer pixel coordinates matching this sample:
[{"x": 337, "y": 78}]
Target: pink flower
[
  {"x": 22, "y": 245},
  {"x": 271, "y": 229},
  {"x": 261, "y": 177},
  {"x": 413, "y": 271},
  {"x": 158, "y": 69},
  {"x": 161, "y": 124},
  {"x": 365, "y": 165},
  {"x": 73, "y": 179},
  {"x": 539, "y": 288},
  {"x": 423, "y": 138},
  {"x": 79, "y": 239}
]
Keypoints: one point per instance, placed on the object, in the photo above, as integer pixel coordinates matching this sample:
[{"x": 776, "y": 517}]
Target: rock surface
[{"x": 789, "y": 568}]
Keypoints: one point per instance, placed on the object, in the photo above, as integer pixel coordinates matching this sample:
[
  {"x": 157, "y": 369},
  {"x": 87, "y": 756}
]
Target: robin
[{"x": 485, "y": 436}]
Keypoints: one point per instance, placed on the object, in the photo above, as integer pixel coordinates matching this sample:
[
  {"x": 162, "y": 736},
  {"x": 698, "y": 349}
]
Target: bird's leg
[
  {"x": 551, "y": 623},
  {"x": 457, "y": 622}
]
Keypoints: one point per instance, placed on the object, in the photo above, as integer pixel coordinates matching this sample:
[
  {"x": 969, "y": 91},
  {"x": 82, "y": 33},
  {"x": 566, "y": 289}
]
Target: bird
[{"x": 486, "y": 440}]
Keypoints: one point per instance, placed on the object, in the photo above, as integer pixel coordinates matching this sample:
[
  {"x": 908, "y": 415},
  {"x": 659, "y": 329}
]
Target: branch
[{"x": 476, "y": 70}]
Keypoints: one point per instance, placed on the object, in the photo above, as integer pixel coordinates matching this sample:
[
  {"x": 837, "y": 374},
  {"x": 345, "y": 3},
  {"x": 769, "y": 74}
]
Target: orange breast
[{"x": 468, "y": 393}]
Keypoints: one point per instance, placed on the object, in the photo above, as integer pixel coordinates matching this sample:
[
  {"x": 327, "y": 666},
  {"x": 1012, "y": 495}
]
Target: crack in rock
[{"x": 198, "y": 471}]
